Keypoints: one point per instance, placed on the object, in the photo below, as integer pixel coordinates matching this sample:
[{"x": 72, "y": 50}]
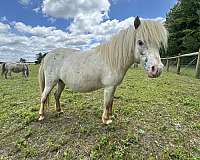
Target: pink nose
[{"x": 154, "y": 72}]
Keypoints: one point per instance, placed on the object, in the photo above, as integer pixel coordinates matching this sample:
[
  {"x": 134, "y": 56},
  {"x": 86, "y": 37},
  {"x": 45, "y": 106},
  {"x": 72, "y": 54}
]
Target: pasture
[{"x": 153, "y": 119}]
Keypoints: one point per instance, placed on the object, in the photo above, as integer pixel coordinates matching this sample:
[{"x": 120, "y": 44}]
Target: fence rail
[
  {"x": 184, "y": 55},
  {"x": 197, "y": 74}
]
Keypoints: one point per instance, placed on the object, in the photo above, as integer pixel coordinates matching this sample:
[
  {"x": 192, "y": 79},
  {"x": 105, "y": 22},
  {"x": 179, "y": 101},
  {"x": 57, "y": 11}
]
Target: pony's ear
[{"x": 137, "y": 22}]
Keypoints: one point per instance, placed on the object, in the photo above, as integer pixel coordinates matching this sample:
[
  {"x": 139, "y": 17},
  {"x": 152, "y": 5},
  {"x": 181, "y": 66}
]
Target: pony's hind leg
[
  {"x": 57, "y": 95},
  {"x": 108, "y": 102},
  {"x": 44, "y": 99},
  {"x": 6, "y": 72},
  {"x": 25, "y": 74}
]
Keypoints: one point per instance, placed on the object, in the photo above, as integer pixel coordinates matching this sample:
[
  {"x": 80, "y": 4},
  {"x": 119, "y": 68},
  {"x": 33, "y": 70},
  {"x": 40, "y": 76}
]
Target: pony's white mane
[{"x": 119, "y": 51}]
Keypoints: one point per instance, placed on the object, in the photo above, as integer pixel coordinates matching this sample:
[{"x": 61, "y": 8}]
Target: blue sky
[
  {"x": 120, "y": 9},
  {"x": 143, "y": 8},
  {"x": 71, "y": 23}
]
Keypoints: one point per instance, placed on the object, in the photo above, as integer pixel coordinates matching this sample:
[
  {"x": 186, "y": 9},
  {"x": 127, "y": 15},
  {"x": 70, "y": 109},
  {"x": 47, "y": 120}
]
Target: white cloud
[
  {"x": 161, "y": 19},
  {"x": 24, "y": 2},
  {"x": 37, "y": 31},
  {"x": 4, "y": 28},
  {"x": 36, "y": 10},
  {"x": 3, "y": 19},
  {"x": 71, "y": 8},
  {"x": 85, "y": 23},
  {"x": 85, "y": 13}
]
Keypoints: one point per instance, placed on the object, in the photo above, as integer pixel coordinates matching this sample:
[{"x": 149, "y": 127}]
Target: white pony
[
  {"x": 7, "y": 68},
  {"x": 104, "y": 66}
]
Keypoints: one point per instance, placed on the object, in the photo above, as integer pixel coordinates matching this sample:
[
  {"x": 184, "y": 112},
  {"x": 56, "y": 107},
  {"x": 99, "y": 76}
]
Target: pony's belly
[
  {"x": 82, "y": 84},
  {"x": 86, "y": 87}
]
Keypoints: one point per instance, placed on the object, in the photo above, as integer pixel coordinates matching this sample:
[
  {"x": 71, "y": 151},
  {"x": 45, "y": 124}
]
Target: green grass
[
  {"x": 185, "y": 70},
  {"x": 154, "y": 119}
]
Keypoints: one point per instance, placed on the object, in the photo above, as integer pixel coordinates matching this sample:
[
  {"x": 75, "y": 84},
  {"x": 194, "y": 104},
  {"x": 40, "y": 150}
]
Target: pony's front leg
[{"x": 108, "y": 102}]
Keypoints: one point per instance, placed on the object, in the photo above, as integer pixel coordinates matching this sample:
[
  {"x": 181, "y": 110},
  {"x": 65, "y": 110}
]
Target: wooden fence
[{"x": 197, "y": 74}]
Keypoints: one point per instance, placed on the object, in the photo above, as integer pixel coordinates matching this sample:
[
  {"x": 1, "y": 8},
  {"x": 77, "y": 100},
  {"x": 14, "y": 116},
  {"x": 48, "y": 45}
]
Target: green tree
[
  {"x": 183, "y": 23},
  {"x": 22, "y": 60},
  {"x": 39, "y": 58}
]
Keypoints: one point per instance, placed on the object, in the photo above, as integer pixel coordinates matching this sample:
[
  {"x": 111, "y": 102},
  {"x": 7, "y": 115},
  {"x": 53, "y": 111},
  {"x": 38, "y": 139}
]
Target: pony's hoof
[
  {"x": 41, "y": 118},
  {"x": 108, "y": 121},
  {"x": 111, "y": 117},
  {"x": 60, "y": 111}
]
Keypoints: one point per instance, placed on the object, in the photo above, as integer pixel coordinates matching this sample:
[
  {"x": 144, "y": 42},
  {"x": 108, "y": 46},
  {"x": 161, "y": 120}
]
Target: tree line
[{"x": 183, "y": 24}]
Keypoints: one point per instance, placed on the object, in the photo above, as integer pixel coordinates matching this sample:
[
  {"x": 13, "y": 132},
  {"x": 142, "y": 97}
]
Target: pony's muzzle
[{"x": 154, "y": 71}]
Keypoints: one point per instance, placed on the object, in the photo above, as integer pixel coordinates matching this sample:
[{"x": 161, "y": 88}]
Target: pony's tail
[
  {"x": 41, "y": 78},
  {"x": 3, "y": 68}
]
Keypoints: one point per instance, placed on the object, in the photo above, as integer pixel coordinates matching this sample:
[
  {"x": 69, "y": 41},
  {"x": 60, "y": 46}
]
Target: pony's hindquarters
[
  {"x": 44, "y": 98},
  {"x": 41, "y": 77}
]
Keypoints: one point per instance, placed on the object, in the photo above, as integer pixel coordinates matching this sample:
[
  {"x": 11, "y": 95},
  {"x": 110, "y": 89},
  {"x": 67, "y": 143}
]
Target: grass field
[
  {"x": 154, "y": 119},
  {"x": 185, "y": 70}
]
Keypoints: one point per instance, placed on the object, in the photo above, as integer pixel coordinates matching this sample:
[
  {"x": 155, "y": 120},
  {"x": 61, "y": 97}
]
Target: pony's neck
[
  {"x": 127, "y": 65},
  {"x": 118, "y": 52}
]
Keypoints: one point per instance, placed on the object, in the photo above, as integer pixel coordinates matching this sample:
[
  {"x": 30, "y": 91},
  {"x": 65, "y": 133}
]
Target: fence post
[
  {"x": 198, "y": 66},
  {"x": 178, "y": 64},
  {"x": 167, "y": 65}
]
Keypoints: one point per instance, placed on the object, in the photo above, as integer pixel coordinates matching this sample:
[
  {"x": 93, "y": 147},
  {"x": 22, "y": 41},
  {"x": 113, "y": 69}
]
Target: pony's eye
[{"x": 140, "y": 43}]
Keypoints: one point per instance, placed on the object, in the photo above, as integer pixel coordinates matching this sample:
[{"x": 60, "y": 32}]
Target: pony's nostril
[{"x": 153, "y": 68}]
